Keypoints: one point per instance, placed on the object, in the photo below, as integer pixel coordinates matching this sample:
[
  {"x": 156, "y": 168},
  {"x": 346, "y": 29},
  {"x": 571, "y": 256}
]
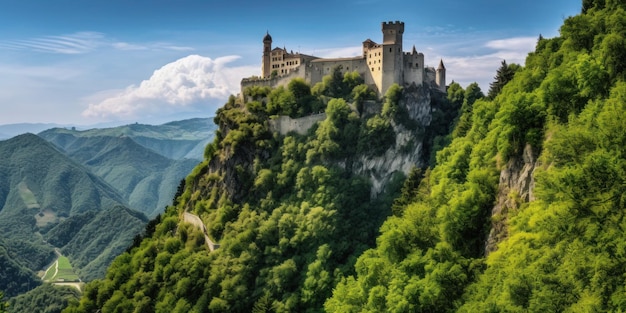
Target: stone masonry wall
[{"x": 285, "y": 124}]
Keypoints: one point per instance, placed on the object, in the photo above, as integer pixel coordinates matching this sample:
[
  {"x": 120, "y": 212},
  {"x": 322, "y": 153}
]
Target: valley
[
  {"x": 60, "y": 273},
  {"x": 67, "y": 210}
]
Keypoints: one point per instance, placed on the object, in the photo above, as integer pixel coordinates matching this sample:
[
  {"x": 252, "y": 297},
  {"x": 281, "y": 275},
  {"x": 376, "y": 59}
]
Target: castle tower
[
  {"x": 392, "y": 55},
  {"x": 392, "y": 32},
  {"x": 440, "y": 77},
  {"x": 266, "y": 70}
]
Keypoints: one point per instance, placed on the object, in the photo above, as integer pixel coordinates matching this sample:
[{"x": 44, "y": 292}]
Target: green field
[
  {"x": 27, "y": 196},
  {"x": 63, "y": 273}
]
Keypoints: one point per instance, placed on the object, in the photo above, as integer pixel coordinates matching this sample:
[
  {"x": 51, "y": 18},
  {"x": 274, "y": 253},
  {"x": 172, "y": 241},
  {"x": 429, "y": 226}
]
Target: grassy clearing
[
  {"x": 60, "y": 271},
  {"x": 45, "y": 217},
  {"x": 65, "y": 273},
  {"x": 50, "y": 272},
  {"x": 27, "y": 196}
]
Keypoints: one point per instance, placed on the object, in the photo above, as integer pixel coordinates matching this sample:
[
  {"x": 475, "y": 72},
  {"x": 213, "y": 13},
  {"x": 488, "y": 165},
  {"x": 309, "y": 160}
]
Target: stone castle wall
[
  {"x": 284, "y": 124},
  {"x": 299, "y": 72}
]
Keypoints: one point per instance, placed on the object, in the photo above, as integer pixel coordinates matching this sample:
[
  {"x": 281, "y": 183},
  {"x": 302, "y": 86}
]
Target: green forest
[{"x": 300, "y": 232}]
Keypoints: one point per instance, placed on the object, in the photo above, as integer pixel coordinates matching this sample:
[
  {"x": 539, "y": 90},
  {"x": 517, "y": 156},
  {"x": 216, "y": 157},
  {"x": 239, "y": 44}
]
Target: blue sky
[{"x": 84, "y": 62}]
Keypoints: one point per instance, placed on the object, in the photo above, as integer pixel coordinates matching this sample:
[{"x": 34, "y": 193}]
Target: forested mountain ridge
[
  {"x": 41, "y": 192},
  {"x": 523, "y": 212},
  {"x": 290, "y": 213},
  {"x": 542, "y": 168},
  {"x": 147, "y": 180}
]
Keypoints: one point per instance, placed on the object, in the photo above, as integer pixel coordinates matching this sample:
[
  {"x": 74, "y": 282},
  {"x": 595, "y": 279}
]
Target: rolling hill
[
  {"x": 144, "y": 163},
  {"x": 146, "y": 179},
  {"x": 42, "y": 191}
]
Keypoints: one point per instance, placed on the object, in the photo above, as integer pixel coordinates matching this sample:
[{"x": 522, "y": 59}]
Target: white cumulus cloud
[{"x": 193, "y": 83}]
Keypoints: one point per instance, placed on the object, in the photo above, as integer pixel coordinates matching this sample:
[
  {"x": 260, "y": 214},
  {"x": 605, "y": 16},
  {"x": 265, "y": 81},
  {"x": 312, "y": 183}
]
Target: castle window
[
  {"x": 372, "y": 69},
  {"x": 390, "y": 49},
  {"x": 347, "y": 68}
]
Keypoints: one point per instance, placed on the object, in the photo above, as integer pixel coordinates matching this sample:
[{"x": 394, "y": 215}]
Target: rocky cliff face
[
  {"x": 408, "y": 151},
  {"x": 515, "y": 187}
]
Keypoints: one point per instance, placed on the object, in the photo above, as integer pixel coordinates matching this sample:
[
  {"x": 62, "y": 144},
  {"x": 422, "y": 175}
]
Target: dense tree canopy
[
  {"x": 303, "y": 234},
  {"x": 563, "y": 247}
]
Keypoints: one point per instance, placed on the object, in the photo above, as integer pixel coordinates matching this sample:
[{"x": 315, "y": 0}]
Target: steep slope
[
  {"x": 174, "y": 140},
  {"x": 537, "y": 180},
  {"x": 290, "y": 213},
  {"x": 41, "y": 188},
  {"x": 146, "y": 179}
]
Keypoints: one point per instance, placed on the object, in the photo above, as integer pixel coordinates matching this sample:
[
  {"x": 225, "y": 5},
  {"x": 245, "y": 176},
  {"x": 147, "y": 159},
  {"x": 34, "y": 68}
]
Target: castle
[{"x": 380, "y": 65}]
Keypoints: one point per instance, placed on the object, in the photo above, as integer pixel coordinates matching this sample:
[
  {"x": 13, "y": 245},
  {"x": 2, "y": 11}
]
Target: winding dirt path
[
  {"x": 55, "y": 264},
  {"x": 196, "y": 221}
]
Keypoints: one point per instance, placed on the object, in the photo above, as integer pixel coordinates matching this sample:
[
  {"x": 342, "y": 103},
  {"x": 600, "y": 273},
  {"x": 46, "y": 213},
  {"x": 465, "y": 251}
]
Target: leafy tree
[
  {"x": 360, "y": 94},
  {"x": 456, "y": 94},
  {"x": 351, "y": 80},
  {"x": 470, "y": 95},
  {"x": 376, "y": 137},
  {"x": 613, "y": 54},
  {"x": 336, "y": 135},
  {"x": 302, "y": 96},
  {"x": 282, "y": 101},
  {"x": 409, "y": 191}
]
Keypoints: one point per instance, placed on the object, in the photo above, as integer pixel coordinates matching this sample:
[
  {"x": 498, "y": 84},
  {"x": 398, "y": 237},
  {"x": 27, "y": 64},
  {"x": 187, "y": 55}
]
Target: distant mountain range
[
  {"x": 82, "y": 191},
  {"x": 144, "y": 163},
  {"x": 174, "y": 140}
]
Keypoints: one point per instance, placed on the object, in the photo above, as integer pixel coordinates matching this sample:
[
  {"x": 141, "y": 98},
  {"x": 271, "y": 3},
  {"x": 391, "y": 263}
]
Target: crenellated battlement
[{"x": 391, "y": 23}]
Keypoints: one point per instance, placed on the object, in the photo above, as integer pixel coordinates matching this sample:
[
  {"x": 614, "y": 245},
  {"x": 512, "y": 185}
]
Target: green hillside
[
  {"x": 291, "y": 213},
  {"x": 41, "y": 189},
  {"x": 174, "y": 140},
  {"x": 146, "y": 179},
  {"x": 45, "y": 299},
  {"x": 537, "y": 181},
  {"x": 523, "y": 211}
]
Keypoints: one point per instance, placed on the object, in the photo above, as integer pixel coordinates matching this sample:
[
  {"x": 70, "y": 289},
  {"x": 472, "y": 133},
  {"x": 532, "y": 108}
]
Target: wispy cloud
[
  {"x": 83, "y": 42},
  {"x": 166, "y": 46},
  {"x": 192, "y": 83},
  {"x": 76, "y": 43},
  {"x": 128, "y": 46}
]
